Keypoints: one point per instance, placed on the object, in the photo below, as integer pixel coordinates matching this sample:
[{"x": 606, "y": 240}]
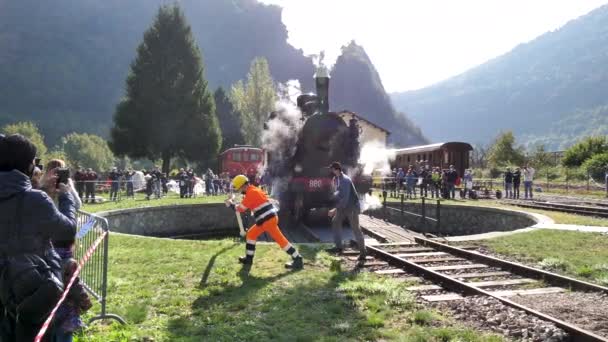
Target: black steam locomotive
[{"x": 323, "y": 138}]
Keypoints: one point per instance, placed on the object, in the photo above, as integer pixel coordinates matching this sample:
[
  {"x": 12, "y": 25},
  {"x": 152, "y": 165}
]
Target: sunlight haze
[{"x": 414, "y": 44}]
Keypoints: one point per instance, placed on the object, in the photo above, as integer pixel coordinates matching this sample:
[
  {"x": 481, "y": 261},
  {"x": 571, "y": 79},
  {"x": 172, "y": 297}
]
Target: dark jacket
[
  {"x": 452, "y": 176},
  {"x": 517, "y": 177},
  {"x": 41, "y": 222},
  {"x": 346, "y": 196},
  {"x": 508, "y": 177}
]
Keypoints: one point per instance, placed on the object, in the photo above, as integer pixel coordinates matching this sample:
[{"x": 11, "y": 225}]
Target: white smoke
[
  {"x": 370, "y": 202},
  {"x": 375, "y": 156},
  {"x": 289, "y": 92},
  {"x": 326, "y": 58},
  {"x": 280, "y": 136}
]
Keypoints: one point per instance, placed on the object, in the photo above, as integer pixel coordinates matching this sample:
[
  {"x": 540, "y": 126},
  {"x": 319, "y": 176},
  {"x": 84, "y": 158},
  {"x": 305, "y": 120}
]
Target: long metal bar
[{"x": 446, "y": 281}]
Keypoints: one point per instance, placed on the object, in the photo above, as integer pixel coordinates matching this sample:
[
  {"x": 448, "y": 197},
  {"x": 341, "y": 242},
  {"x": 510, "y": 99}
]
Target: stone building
[{"x": 369, "y": 131}]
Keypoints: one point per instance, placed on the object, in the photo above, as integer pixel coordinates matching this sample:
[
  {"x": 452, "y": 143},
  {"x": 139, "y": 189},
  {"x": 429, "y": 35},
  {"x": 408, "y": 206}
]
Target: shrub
[
  {"x": 553, "y": 264},
  {"x": 577, "y": 154},
  {"x": 596, "y": 166}
]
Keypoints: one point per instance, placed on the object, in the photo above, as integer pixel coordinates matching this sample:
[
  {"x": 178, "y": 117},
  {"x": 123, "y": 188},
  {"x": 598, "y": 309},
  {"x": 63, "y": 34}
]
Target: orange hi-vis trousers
[{"x": 270, "y": 226}]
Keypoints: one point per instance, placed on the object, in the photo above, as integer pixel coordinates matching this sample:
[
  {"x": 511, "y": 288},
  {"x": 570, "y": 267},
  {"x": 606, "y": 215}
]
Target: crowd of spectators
[
  {"x": 422, "y": 179},
  {"x": 512, "y": 181}
]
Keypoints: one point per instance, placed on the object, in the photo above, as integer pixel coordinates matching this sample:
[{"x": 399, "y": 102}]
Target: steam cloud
[
  {"x": 369, "y": 202},
  {"x": 326, "y": 58},
  {"x": 280, "y": 136},
  {"x": 375, "y": 156}
]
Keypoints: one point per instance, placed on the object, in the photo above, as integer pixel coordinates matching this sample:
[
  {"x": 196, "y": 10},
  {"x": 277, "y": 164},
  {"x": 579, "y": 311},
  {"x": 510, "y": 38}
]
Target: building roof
[
  {"x": 433, "y": 147},
  {"x": 359, "y": 117}
]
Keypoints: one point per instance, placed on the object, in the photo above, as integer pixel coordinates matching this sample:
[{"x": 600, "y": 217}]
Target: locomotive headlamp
[{"x": 322, "y": 83}]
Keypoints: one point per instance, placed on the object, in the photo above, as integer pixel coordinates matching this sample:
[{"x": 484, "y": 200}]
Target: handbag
[{"x": 32, "y": 287}]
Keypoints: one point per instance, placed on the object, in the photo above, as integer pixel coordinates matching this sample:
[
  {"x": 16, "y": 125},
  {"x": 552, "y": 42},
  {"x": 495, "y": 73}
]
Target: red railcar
[{"x": 242, "y": 160}]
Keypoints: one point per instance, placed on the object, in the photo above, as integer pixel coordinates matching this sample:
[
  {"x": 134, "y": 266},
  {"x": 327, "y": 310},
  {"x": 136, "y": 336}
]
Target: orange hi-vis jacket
[
  {"x": 257, "y": 201},
  {"x": 266, "y": 219}
]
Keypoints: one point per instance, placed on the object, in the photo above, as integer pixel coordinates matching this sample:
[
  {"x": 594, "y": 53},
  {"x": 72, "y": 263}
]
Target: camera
[
  {"x": 38, "y": 164},
  {"x": 63, "y": 174}
]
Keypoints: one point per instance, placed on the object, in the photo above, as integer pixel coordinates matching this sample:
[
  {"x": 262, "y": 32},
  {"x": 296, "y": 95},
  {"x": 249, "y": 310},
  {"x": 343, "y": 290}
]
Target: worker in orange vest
[{"x": 266, "y": 220}]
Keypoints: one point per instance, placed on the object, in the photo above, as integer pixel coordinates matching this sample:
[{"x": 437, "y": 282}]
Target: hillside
[
  {"x": 356, "y": 86},
  {"x": 63, "y": 63},
  {"x": 551, "y": 90}
]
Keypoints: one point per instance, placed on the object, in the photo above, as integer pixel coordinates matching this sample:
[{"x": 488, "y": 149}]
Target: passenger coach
[{"x": 440, "y": 154}]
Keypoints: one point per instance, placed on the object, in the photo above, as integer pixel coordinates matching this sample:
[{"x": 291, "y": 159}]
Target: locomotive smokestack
[{"x": 322, "y": 82}]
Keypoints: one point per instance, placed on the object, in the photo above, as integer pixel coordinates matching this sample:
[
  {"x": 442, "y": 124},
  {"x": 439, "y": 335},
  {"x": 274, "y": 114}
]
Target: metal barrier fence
[{"x": 94, "y": 273}]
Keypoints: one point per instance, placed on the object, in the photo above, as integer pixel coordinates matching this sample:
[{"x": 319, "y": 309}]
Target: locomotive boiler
[{"x": 324, "y": 138}]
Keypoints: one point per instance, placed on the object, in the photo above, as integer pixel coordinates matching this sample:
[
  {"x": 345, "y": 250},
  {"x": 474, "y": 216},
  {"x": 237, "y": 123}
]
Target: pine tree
[
  {"x": 230, "y": 120},
  {"x": 168, "y": 110}
]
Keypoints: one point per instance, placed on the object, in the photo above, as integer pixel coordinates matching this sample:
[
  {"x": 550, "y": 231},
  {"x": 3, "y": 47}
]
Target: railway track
[
  {"x": 587, "y": 210},
  {"x": 454, "y": 273}
]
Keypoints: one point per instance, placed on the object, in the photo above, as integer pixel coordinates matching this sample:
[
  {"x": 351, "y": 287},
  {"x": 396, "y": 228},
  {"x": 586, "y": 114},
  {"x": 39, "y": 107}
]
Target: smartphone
[
  {"x": 38, "y": 163},
  {"x": 63, "y": 174}
]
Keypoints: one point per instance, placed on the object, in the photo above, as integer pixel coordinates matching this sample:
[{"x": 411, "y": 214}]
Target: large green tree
[
  {"x": 168, "y": 110},
  {"x": 88, "y": 150},
  {"x": 255, "y": 99},
  {"x": 584, "y": 150},
  {"x": 30, "y": 131},
  {"x": 504, "y": 152},
  {"x": 230, "y": 120}
]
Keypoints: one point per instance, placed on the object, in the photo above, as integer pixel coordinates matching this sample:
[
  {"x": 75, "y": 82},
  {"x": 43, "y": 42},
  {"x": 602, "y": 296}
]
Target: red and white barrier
[{"x": 81, "y": 263}]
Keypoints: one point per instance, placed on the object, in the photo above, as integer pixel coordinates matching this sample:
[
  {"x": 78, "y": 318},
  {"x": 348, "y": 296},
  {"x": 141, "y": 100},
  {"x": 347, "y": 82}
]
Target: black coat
[{"x": 40, "y": 223}]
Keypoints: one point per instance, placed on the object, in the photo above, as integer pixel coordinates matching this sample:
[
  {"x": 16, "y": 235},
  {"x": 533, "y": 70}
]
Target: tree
[
  {"x": 229, "y": 119},
  {"x": 503, "y": 151},
  {"x": 597, "y": 166},
  {"x": 168, "y": 110},
  {"x": 541, "y": 158},
  {"x": 88, "y": 150},
  {"x": 583, "y": 150},
  {"x": 479, "y": 156},
  {"x": 255, "y": 99},
  {"x": 30, "y": 131}
]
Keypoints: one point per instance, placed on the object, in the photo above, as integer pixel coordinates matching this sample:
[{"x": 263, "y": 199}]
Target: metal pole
[
  {"x": 588, "y": 176},
  {"x": 423, "y": 210},
  {"x": 384, "y": 203},
  {"x": 402, "y": 211},
  {"x": 438, "y": 215}
]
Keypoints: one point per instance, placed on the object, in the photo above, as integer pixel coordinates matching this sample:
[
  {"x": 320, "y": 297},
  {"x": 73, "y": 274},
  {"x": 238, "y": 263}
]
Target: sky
[{"x": 414, "y": 44}]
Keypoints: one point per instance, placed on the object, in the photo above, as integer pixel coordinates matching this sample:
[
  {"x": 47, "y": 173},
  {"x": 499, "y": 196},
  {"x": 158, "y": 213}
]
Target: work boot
[
  {"x": 334, "y": 250},
  {"x": 296, "y": 264},
  {"x": 361, "y": 260},
  {"x": 245, "y": 260}
]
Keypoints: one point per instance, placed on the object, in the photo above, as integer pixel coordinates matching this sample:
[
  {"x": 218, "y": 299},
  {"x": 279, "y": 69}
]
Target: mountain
[
  {"x": 356, "y": 86},
  {"x": 550, "y": 91},
  {"x": 63, "y": 63}
]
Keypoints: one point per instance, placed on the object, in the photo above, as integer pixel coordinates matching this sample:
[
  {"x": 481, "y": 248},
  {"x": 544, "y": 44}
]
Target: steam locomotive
[{"x": 324, "y": 138}]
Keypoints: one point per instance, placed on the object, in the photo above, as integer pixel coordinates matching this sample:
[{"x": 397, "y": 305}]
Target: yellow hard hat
[{"x": 239, "y": 181}]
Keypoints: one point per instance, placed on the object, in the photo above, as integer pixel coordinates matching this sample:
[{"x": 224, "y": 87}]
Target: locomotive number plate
[{"x": 315, "y": 184}]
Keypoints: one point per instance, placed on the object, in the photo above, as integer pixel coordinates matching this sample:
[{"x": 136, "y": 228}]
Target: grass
[
  {"x": 558, "y": 217},
  {"x": 140, "y": 201},
  {"x": 581, "y": 255},
  {"x": 171, "y": 290}
]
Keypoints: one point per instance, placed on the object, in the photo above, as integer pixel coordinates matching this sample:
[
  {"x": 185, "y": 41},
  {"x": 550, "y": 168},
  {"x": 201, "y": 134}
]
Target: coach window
[
  {"x": 254, "y": 157},
  {"x": 236, "y": 156}
]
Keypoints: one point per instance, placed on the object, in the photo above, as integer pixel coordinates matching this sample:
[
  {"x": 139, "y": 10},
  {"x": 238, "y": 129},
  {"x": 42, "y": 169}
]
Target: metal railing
[
  {"x": 92, "y": 240},
  {"x": 425, "y": 207}
]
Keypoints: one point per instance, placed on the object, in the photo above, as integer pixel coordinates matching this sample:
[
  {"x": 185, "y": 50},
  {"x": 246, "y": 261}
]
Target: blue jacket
[
  {"x": 41, "y": 220},
  {"x": 346, "y": 196}
]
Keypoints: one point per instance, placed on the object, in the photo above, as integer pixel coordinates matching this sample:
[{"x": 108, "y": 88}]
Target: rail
[{"x": 452, "y": 282}]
